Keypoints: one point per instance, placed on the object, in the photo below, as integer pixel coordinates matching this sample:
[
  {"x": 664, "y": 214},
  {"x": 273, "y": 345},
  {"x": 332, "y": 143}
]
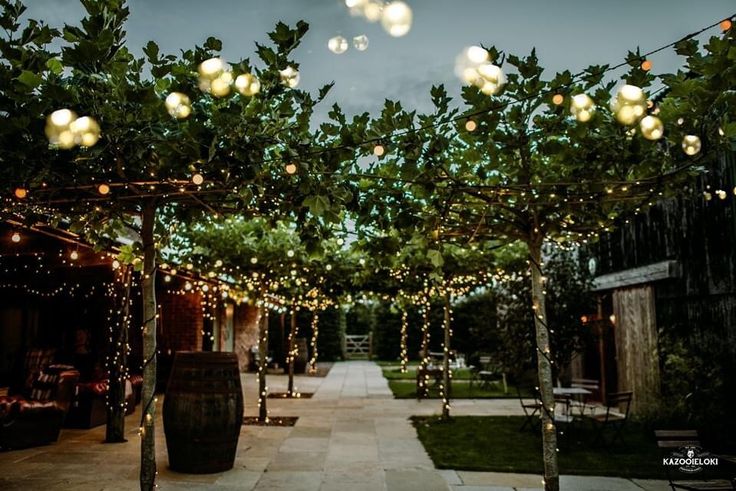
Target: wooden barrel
[{"x": 203, "y": 412}]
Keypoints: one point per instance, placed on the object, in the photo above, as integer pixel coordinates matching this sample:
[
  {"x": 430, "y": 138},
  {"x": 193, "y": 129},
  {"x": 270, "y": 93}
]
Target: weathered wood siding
[
  {"x": 636, "y": 346},
  {"x": 701, "y": 236}
]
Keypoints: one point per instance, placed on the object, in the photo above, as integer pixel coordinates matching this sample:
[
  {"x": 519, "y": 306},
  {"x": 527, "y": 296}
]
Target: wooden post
[
  {"x": 544, "y": 367},
  {"x": 148, "y": 283},
  {"x": 263, "y": 366},
  {"x": 118, "y": 362}
]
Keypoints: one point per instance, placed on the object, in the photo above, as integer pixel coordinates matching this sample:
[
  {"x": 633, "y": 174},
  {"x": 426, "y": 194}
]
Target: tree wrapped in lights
[
  {"x": 207, "y": 152},
  {"x": 539, "y": 162}
]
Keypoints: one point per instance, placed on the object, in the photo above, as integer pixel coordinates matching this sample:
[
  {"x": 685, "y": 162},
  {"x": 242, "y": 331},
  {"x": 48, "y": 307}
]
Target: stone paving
[{"x": 351, "y": 435}]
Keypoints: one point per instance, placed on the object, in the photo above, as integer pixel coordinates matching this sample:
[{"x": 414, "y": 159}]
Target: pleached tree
[{"x": 212, "y": 152}]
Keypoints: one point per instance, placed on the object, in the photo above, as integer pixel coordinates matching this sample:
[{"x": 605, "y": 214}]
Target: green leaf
[
  {"x": 30, "y": 79},
  {"x": 435, "y": 257},
  {"x": 54, "y": 64}
]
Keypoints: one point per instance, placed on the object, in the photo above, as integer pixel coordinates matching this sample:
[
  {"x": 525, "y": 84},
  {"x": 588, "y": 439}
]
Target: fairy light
[
  {"x": 21, "y": 193},
  {"x": 404, "y": 338},
  {"x": 315, "y": 334},
  {"x": 15, "y": 237}
]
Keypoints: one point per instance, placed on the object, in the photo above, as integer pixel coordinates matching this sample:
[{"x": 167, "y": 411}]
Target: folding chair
[
  {"x": 530, "y": 409},
  {"x": 613, "y": 419}
]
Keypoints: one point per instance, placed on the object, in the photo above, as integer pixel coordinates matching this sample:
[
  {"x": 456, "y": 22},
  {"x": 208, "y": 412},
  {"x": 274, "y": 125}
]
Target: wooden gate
[
  {"x": 358, "y": 346},
  {"x": 636, "y": 345}
]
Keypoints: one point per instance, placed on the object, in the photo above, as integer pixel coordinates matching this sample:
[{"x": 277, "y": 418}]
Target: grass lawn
[
  {"x": 395, "y": 363},
  {"x": 494, "y": 443},
  {"x": 395, "y": 374},
  {"x": 406, "y": 389}
]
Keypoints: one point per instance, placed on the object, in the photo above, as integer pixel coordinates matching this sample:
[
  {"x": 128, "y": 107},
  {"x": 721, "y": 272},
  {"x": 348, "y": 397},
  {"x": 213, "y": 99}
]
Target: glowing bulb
[
  {"x": 15, "y": 237},
  {"x": 721, "y": 194},
  {"x": 212, "y": 68},
  {"x": 328, "y": 267},
  {"x": 360, "y": 42},
  {"x": 289, "y": 77},
  {"x": 396, "y": 18},
  {"x": 372, "y": 10},
  {"x": 167, "y": 278},
  {"x": 103, "y": 189},
  {"x": 247, "y": 84},
  {"x": 197, "y": 179},
  {"x": 492, "y": 79},
  {"x": 646, "y": 65},
  {"x": 558, "y": 99},
  {"x": 378, "y": 150},
  {"x": 651, "y": 127},
  {"x": 471, "y": 125},
  {"x": 291, "y": 168},
  {"x": 290, "y": 253},
  {"x": 58, "y": 129},
  {"x": 178, "y": 105},
  {"x": 582, "y": 107},
  {"x": 218, "y": 263},
  {"x": 340, "y": 241},
  {"x": 253, "y": 260},
  {"x": 215, "y": 77},
  {"x": 115, "y": 264},
  {"x": 21, "y": 193},
  {"x": 86, "y": 131},
  {"x": 725, "y": 25},
  {"x": 361, "y": 261},
  {"x": 338, "y": 45},
  {"x": 691, "y": 144},
  {"x": 74, "y": 255},
  {"x": 187, "y": 286},
  {"x": 629, "y": 105}
]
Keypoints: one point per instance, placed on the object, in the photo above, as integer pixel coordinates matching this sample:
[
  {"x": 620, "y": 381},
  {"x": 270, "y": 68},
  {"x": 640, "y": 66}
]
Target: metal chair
[
  {"x": 613, "y": 419},
  {"x": 530, "y": 409}
]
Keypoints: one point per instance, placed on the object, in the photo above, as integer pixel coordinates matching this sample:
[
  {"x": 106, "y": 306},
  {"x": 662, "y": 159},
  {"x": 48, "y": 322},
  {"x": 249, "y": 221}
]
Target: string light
[
  {"x": 338, "y": 45},
  {"x": 360, "y": 42},
  {"x": 247, "y": 84},
  {"x": 558, "y": 99},
  {"x": 15, "y": 237},
  {"x": 103, "y": 189},
  {"x": 178, "y": 105},
  {"x": 378, "y": 150},
  {"x": 646, "y": 65},
  {"x": 291, "y": 168},
  {"x": 289, "y": 77},
  {"x": 197, "y": 179},
  {"x": 397, "y": 18},
  {"x": 471, "y": 125},
  {"x": 691, "y": 144}
]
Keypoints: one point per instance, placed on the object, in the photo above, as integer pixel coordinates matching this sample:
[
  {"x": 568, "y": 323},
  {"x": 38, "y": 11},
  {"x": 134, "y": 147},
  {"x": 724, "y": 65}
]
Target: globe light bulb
[
  {"x": 215, "y": 77},
  {"x": 378, "y": 150},
  {"x": 651, "y": 127},
  {"x": 15, "y": 237},
  {"x": 338, "y": 45},
  {"x": 212, "y": 68},
  {"x": 360, "y": 42},
  {"x": 86, "y": 131},
  {"x": 58, "y": 129},
  {"x": 691, "y": 144},
  {"x": 372, "y": 10},
  {"x": 247, "y": 84},
  {"x": 471, "y": 125},
  {"x": 558, "y": 99},
  {"x": 726, "y": 25},
  {"x": 291, "y": 168},
  {"x": 74, "y": 255},
  {"x": 396, "y": 18},
  {"x": 629, "y": 105},
  {"x": 21, "y": 193},
  {"x": 582, "y": 107},
  {"x": 646, "y": 65},
  {"x": 115, "y": 264},
  {"x": 289, "y": 77},
  {"x": 198, "y": 179},
  {"x": 103, "y": 189},
  {"x": 468, "y": 62},
  {"x": 178, "y": 105}
]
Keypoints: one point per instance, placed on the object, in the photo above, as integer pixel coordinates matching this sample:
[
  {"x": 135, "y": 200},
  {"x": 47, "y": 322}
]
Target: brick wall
[{"x": 181, "y": 322}]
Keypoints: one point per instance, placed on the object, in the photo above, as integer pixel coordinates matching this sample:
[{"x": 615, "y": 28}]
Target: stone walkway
[{"x": 351, "y": 435}]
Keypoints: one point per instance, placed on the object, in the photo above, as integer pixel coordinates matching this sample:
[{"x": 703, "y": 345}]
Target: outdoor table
[{"x": 568, "y": 393}]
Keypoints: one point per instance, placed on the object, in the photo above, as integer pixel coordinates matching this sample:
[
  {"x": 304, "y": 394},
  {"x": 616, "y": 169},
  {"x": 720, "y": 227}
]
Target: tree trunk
[
  {"x": 262, "y": 367},
  {"x": 118, "y": 363},
  {"x": 404, "y": 339},
  {"x": 343, "y": 331},
  {"x": 446, "y": 377},
  {"x": 422, "y": 376},
  {"x": 291, "y": 357},
  {"x": 544, "y": 368},
  {"x": 148, "y": 281},
  {"x": 315, "y": 334}
]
